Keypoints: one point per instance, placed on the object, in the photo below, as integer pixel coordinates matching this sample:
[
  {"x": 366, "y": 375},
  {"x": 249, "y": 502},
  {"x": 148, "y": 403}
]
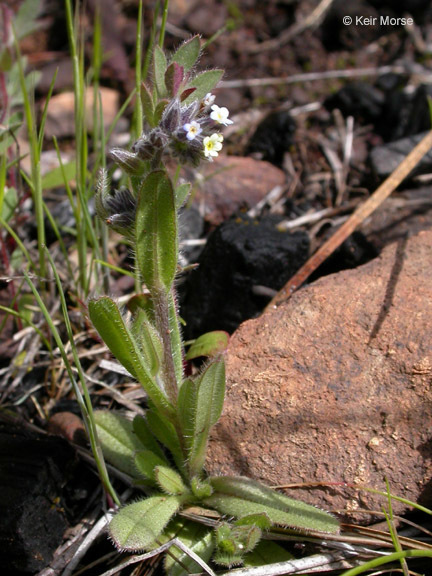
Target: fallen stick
[{"x": 360, "y": 214}]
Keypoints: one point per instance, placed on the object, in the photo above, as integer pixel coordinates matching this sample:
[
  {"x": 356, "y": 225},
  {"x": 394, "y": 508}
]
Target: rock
[
  {"x": 33, "y": 473},
  {"x": 60, "y": 120},
  {"x": 361, "y": 100},
  {"x": 241, "y": 255},
  {"x": 273, "y": 137},
  {"x": 334, "y": 387},
  {"x": 386, "y": 158},
  {"x": 231, "y": 183}
]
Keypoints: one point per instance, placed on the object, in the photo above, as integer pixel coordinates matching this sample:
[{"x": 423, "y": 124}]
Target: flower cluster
[{"x": 187, "y": 133}]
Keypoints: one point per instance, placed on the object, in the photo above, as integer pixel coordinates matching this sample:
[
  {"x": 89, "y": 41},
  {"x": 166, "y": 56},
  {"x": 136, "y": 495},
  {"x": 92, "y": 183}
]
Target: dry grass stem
[{"x": 362, "y": 212}]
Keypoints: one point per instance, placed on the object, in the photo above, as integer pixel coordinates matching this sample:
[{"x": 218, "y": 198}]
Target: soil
[{"x": 313, "y": 99}]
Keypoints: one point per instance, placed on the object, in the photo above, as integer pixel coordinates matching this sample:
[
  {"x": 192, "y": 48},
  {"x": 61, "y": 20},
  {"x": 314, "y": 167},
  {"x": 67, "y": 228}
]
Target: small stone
[
  {"x": 312, "y": 387},
  {"x": 232, "y": 183},
  {"x": 386, "y": 158},
  {"x": 60, "y": 120}
]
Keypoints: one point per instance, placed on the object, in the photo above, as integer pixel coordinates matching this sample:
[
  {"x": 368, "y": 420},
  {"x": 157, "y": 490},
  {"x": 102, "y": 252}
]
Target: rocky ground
[{"x": 331, "y": 390}]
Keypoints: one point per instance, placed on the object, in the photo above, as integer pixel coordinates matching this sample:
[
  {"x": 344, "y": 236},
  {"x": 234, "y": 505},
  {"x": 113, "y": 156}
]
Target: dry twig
[{"x": 362, "y": 212}]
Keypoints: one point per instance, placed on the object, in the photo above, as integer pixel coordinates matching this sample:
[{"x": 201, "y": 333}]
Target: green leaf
[
  {"x": 182, "y": 192},
  {"x": 137, "y": 526},
  {"x": 204, "y": 83},
  {"x": 261, "y": 520},
  {"x": 150, "y": 343},
  {"x": 210, "y": 344},
  {"x": 200, "y": 404},
  {"x": 118, "y": 441},
  {"x": 267, "y": 552},
  {"x": 25, "y": 21},
  {"x": 56, "y": 177},
  {"x": 148, "y": 105},
  {"x": 159, "y": 110},
  {"x": 176, "y": 337},
  {"x": 239, "y": 497},
  {"x": 141, "y": 303},
  {"x": 169, "y": 481},
  {"x": 159, "y": 69},
  {"x": 146, "y": 461},
  {"x": 146, "y": 438},
  {"x": 188, "y": 53},
  {"x": 108, "y": 321},
  {"x": 156, "y": 232},
  {"x": 165, "y": 432},
  {"x": 9, "y": 204},
  {"x": 197, "y": 538}
]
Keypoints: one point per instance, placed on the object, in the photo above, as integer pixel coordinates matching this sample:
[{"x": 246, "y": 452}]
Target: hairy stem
[{"x": 162, "y": 317}]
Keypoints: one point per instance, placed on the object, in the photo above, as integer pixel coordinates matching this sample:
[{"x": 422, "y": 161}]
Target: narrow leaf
[
  {"x": 150, "y": 343},
  {"x": 182, "y": 192},
  {"x": 241, "y": 496},
  {"x": 146, "y": 461},
  {"x": 267, "y": 552},
  {"x": 169, "y": 481},
  {"x": 147, "y": 105},
  {"x": 209, "y": 344},
  {"x": 204, "y": 83},
  {"x": 197, "y": 538},
  {"x": 137, "y": 526},
  {"x": 118, "y": 440},
  {"x": 156, "y": 232},
  {"x": 108, "y": 321},
  {"x": 159, "y": 110},
  {"x": 188, "y": 53},
  {"x": 173, "y": 78},
  {"x": 159, "y": 69},
  {"x": 200, "y": 405},
  {"x": 145, "y": 436},
  {"x": 165, "y": 432}
]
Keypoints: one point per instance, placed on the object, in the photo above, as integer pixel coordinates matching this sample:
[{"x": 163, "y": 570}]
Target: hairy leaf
[
  {"x": 181, "y": 194},
  {"x": 166, "y": 434},
  {"x": 145, "y": 436},
  {"x": 239, "y": 497},
  {"x": 150, "y": 343},
  {"x": 174, "y": 78},
  {"x": 108, "y": 321},
  {"x": 169, "y": 481},
  {"x": 267, "y": 552},
  {"x": 209, "y": 344},
  {"x": 204, "y": 83},
  {"x": 156, "y": 232},
  {"x": 200, "y": 404},
  {"x": 159, "y": 69},
  {"x": 196, "y": 537},
  {"x": 145, "y": 463},
  {"x": 137, "y": 526},
  {"x": 147, "y": 105},
  {"x": 118, "y": 440},
  {"x": 188, "y": 53}
]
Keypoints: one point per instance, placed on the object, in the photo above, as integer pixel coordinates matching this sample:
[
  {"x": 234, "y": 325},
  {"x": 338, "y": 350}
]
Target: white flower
[
  {"x": 192, "y": 129},
  {"x": 220, "y": 115},
  {"x": 209, "y": 99},
  {"x": 212, "y": 145}
]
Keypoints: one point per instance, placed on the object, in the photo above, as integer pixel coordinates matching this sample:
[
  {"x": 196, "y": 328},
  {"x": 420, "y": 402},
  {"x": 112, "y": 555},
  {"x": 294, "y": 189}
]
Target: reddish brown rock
[
  {"x": 232, "y": 183},
  {"x": 334, "y": 386}
]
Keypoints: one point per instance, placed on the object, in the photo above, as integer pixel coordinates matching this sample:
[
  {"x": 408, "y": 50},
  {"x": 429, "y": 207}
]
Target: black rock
[
  {"x": 355, "y": 251},
  {"x": 240, "y": 255},
  {"x": 33, "y": 470},
  {"x": 273, "y": 137},
  {"x": 362, "y": 101},
  {"x": 406, "y": 113},
  {"x": 386, "y": 158}
]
